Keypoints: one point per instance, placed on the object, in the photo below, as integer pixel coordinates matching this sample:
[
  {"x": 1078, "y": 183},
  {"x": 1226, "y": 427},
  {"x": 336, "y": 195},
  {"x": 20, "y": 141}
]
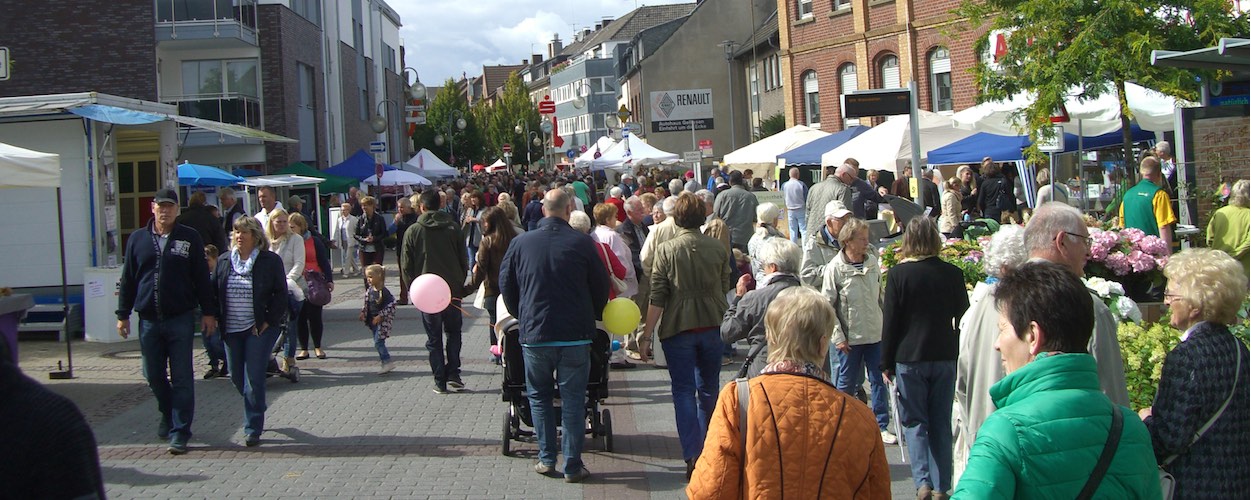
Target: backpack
[{"x": 1005, "y": 200}]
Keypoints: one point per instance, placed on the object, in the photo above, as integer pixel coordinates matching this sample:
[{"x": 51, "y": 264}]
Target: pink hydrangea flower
[
  {"x": 1140, "y": 261},
  {"x": 1153, "y": 245},
  {"x": 1118, "y": 263},
  {"x": 1132, "y": 235}
]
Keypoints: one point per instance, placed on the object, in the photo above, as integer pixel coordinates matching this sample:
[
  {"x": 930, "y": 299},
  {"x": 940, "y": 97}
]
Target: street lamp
[
  {"x": 381, "y": 121},
  {"x": 455, "y": 121},
  {"x": 523, "y": 127},
  {"x": 729, "y": 45},
  {"x": 417, "y": 90}
]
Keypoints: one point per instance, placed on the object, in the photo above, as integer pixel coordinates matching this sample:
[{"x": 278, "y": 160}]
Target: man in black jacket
[
  {"x": 434, "y": 244},
  {"x": 198, "y": 217},
  {"x": 164, "y": 278}
]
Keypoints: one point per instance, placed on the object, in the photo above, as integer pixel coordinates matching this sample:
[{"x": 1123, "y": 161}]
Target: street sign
[
  {"x": 508, "y": 148},
  {"x": 705, "y": 147},
  {"x": 1055, "y": 144},
  {"x": 1060, "y": 115},
  {"x": 547, "y": 106},
  {"x": 571, "y": 153},
  {"x": 4, "y": 63},
  {"x": 417, "y": 120},
  {"x": 633, "y": 128},
  {"x": 691, "y": 156},
  {"x": 378, "y": 147},
  {"x": 623, "y": 113},
  {"x": 879, "y": 102},
  {"x": 420, "y": 108},
  {"x": 546, "y": 126}
]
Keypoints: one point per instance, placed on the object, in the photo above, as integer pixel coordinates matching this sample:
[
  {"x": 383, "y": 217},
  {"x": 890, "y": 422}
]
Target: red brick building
[{"x": 833, "y": 47}]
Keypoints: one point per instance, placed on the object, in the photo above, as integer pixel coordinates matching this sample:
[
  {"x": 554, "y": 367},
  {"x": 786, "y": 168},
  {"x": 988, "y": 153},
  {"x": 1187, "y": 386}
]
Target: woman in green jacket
[{"x": 1052, "y": 421}]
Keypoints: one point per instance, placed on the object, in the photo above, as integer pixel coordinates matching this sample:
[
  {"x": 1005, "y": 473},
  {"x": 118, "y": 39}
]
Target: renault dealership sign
[{"x": 677, "y": 110}]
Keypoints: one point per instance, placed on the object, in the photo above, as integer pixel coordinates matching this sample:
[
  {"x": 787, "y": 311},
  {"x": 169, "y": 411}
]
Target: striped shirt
[{"x": 239, "y": 314}]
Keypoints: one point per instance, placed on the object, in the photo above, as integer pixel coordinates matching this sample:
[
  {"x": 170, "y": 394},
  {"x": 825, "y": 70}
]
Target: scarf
[
  {"x": 243, "y": 267},
  {"x": 794, "y": 367}
]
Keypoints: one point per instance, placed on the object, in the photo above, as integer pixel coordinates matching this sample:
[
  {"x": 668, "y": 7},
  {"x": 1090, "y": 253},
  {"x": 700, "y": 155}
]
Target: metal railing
[
  {"x": 231, "y": 108},
  {"x": 207, "y": 12}
]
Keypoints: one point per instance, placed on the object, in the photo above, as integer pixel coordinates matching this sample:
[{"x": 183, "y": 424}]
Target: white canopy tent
[
  {"x": 427, "y": 165},
  {"x": 1152, "y": 111},
  {"x": 498, "y": 166},
  {"x": 586, "y": 158},
  {"x": 398, "y": 178},
  {"x": 763, "y": 154},
  {"x": 631, "y": 152},
  {"x": 889, "y": 146}
]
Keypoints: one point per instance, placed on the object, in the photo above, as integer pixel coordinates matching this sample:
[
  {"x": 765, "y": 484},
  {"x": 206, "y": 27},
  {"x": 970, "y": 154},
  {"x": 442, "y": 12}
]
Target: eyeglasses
[
  {"x": 1089, "y": 241},
  {"x": 1172, "y": 297}
]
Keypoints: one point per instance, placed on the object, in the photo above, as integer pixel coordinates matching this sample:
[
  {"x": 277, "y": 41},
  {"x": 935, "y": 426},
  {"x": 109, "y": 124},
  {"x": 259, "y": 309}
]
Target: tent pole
[{"x": 65, "y": 328}]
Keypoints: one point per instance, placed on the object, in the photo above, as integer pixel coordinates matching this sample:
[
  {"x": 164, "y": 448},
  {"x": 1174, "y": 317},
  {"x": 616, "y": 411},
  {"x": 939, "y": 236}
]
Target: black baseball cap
[{"x": 166, "y": 195}]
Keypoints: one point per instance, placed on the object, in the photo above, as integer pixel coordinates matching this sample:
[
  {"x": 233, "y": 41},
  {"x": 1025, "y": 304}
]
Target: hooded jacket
[
  {"x": 1048, "y": 432},
  {"x": 435, "y": 244}
]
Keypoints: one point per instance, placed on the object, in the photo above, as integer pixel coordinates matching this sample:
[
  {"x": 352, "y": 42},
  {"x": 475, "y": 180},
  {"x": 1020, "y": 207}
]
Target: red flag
[{"x": 557, "y": 141}]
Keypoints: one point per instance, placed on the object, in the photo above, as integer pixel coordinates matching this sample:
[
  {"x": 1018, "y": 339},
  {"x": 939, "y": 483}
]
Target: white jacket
[
  {"x": 291, "y": 249},
  {"x": 341, "y": 231},
  {"x": 856, "y": 297}
]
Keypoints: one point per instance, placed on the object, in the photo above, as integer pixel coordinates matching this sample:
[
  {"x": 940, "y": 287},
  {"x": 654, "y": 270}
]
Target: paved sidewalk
[{"x": 344, "y": 431}]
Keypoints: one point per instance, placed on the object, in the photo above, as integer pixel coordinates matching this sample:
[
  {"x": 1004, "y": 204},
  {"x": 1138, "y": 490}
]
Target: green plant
[
  {"x": 772, "y": 125},
  {"x": 1143, "y": 348}
]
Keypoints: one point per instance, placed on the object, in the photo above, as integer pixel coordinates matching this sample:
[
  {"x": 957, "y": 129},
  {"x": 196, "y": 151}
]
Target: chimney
[
  {"x": 606, "y": 21},
  {"x": 537, "y": 58},
  {"x": 554, "y": 47},
  {"x": 525, "y": 62},
  {"x": 599, "y": 26},
  {"x": 586, "y": 33}
]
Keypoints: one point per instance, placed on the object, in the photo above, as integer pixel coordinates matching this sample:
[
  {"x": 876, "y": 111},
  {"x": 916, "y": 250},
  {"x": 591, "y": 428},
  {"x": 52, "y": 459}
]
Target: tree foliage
[
  {"x": 772, "y": 125},
  {"x": 1095, "y": 46},
  {"x": 512, "y": 107},
  {"x": 441, "y": 113}
]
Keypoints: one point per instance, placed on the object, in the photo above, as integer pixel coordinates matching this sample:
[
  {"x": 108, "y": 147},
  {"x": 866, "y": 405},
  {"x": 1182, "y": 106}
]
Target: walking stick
[{"x": 894, "y": 411}]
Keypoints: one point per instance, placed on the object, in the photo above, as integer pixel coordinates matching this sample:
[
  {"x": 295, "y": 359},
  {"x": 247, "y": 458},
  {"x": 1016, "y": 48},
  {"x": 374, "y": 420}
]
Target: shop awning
[{"x": 1231, "y": 54}]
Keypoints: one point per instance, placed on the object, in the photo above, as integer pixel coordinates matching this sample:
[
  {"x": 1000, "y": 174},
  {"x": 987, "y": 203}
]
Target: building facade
[{"x": 837, "y": 47}]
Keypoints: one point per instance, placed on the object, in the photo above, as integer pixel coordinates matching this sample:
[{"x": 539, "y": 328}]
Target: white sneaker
[
  {"x": 386, "y": 368},
  {"x": 889, "y": 438}
]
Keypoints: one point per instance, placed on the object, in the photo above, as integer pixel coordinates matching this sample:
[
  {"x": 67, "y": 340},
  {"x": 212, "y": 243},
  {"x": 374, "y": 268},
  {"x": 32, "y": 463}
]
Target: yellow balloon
[{"x": 621, "y": 316}]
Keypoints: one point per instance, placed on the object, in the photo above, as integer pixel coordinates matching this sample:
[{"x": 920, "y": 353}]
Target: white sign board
[
  {"x": 1055, "y": 144},
  {"x": 691, "y": 156},
  {"x": 4, "y": 63},
  {"x": 676, "y": 110}
]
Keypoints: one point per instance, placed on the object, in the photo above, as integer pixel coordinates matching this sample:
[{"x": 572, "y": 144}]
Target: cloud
[{"x": 445, "y": 38}]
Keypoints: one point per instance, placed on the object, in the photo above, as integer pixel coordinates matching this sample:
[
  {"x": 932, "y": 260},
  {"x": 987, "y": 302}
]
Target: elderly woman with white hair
[
  {"x": 978, "y": 366},
  {"x": 1230, "y": 228},
  {"x": 766, "y": 228},
  {"x": 779, "y": 261}
]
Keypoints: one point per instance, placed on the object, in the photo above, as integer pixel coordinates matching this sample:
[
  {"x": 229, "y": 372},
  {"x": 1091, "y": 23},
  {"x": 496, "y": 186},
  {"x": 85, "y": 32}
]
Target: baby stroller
[{"x": 513, "y": 389}]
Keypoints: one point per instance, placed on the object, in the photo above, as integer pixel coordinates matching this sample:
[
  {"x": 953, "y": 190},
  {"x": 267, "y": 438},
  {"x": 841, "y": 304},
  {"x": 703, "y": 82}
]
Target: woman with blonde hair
[
  {"x": 1049, "y": 191},
  {"x": 924, "y": 298},
  {"x": 290, "y": 248},
  {"x": 1199, "y": 421},
  {"x": 823, "y": 448},
  {"x": 950, "y": 199},
  {"x": 316, "y": 260},
  {"x": 1230, "y": 228}
]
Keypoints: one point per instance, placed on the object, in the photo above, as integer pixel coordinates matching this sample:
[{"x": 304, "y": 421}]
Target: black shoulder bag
[{"x": 1105, "y": 458}]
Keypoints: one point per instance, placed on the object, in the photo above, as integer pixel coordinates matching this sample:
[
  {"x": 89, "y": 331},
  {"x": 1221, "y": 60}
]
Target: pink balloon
[
  {"x": 430, "y": 293},
  {"x": 495, "y": 350}
]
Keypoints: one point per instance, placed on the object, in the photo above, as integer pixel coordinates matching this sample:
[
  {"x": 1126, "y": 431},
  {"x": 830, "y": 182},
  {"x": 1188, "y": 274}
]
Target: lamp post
[
  {"x": 581, "y": 100},
  {"x": 382, "y": 120},
  {"x": 729, "y": 45},
  {"x": 523, "y": 127},
  {"x": 455, "y": 121}
]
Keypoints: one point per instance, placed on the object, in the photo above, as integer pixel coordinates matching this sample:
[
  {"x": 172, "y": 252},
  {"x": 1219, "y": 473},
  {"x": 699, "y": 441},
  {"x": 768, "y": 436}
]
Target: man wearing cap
[
  {"x": 821, "y": 194},
  {"x": 628, "y": 186},
  {"x": 691, "y": 186},
  {"x": 822, "y": 247},
  {"x": 165, "y": 277}
]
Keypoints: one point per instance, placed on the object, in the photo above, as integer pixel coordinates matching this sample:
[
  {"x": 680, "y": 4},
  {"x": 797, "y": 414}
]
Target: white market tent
[
  {"x": 763, "y": 154},
  {"x": 1152, "y": 111},
  {"x": 889, "y": 145},
  {"x": 631, "y": 152},
  {"x": 427, "y": 165},
  {"x": 586, "y": 158},
  {"x": 498, "y": 166},
  {"x": 398, "y": 178}
]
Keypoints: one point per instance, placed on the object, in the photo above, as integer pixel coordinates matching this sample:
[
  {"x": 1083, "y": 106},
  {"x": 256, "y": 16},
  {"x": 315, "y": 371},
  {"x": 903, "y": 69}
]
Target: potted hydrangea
[{"x": 1129, "y": 257}]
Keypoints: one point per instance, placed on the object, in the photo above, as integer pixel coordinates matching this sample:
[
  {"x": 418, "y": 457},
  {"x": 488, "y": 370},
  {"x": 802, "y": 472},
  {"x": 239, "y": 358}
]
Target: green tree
[
  {"x": 445, "y": 109},
  {"x": 512, "y": 108},
  {"x": 772, "y": 125},
  {"x": 1097, "y": 46}
]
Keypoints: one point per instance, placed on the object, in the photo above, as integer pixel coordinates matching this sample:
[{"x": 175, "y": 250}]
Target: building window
[
  {"x": 306, "y": 112},
  {"x": 805, "y": 9},
  {"x": 308, "y": 9},
  {"x": 847, "y": 80},
  {"x": 888, "y": 71},
  {"x": 842, "y": 5},
  {"x": 940, "y": 79},
  {"x": 221, "y": 90},
  {"x": 812, "y": 99}
]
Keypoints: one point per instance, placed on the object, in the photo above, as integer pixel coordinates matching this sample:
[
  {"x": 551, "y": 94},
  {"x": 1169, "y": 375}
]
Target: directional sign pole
[{"x": 915, "y": 126}]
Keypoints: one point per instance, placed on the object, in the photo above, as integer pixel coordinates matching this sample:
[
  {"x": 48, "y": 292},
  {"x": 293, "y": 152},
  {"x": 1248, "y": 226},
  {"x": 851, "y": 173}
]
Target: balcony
[
  {"x": 221, "y": 23},
  {"x": 226, "y": 108}
]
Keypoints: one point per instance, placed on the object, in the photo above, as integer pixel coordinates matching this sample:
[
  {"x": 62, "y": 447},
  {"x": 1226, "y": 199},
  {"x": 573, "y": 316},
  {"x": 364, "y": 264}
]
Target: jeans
[
  {"x": 381, "y": 345},
  {"x": 444, "y": 357},
  {"x": 851, "y": 370},
  {"x": 473, "y": 254},
  {"x": 310, "y": 322},
  {"x": 926, "y": 391},
  {"x": 571, "y": 366},
  {"x": 796, "y": 221},
  {"x": 166, "y": 345},
  {"x": 215, "y": 349},
  {"x": 248, "y": 356},
  {"x": 293, "y": 325},
  {"x": 694, "y": 360}
]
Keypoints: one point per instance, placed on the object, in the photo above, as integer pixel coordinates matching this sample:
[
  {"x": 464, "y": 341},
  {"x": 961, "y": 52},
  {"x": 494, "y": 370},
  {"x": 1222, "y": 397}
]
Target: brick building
[{"x": 833, "y": 47}]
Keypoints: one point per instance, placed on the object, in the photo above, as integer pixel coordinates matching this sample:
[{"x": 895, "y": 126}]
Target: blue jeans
[
  {"x": 381, "y": 345},
  {"x": 248, "y": 357},
  {"x": 694, "y": 360},
  {"x": 796, "y": 221},
  {"x": 293, "y": 325},
  {"x": 214, "y": 347},
  {"x": 444, "y": 357},
  {"x": 571, "y": 367},
  {"x": 167, "y": 346},
  {"x": 473, "y": 254},
  {"x": 851, "y": 377},
  {"x": 926, "y": 391}
]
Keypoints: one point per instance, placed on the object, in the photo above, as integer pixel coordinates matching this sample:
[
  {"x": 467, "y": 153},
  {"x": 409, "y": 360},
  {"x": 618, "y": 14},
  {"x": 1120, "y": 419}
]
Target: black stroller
[{"x": 513, "y": 389}]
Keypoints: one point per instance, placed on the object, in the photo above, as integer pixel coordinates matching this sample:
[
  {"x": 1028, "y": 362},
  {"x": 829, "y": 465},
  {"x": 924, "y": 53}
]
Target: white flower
[
  {"x": 1128, "y": 309},
  {"x": 1101, "y": 287}
]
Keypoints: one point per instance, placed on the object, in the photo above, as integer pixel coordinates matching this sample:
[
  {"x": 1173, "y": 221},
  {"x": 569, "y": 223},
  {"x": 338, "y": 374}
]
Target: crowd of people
[{"x": 983, "y": 383}]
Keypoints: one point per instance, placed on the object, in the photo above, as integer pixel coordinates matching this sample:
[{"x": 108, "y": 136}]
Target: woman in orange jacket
[{"x": 803, "y": 438}]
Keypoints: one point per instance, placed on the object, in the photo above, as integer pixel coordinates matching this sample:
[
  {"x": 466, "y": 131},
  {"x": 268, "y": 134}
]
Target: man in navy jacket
[
  {"x": 555, "y": 284},
  {"x": 164, "y": 278}
]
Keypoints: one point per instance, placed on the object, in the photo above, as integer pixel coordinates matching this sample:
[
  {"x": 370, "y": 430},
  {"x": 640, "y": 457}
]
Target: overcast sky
[{"x": 445, "y": 38}]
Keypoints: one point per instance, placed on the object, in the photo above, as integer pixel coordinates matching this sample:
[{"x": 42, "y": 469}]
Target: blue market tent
[
  {"x": 1008, "y": 147},
  {"x": 359, "y": 166},
  {"x": 245, "y": 172},
  {"x": 810, "y": 154}
]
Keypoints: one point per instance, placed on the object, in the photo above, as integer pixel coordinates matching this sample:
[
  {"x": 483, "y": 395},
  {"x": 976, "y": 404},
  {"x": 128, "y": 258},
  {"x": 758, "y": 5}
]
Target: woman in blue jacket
[{"x": 252, "y": 290}]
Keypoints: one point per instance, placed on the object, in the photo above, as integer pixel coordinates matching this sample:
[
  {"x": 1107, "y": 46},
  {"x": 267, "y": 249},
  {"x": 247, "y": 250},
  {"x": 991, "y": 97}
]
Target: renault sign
[{"x": 677, "y": 110}]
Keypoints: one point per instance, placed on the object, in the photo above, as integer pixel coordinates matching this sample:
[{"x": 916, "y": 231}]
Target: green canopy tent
[{"x": 333, "y": 184}]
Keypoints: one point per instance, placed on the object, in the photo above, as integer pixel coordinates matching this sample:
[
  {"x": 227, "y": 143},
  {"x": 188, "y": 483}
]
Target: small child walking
[{"x": 378, "y": 312}]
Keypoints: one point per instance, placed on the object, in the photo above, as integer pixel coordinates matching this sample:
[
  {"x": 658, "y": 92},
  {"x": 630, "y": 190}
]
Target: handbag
[
  {"x": 618, "y": 284},
  {"x": 1167, "y": 482},
  {"x": 318, "y": 289}
]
